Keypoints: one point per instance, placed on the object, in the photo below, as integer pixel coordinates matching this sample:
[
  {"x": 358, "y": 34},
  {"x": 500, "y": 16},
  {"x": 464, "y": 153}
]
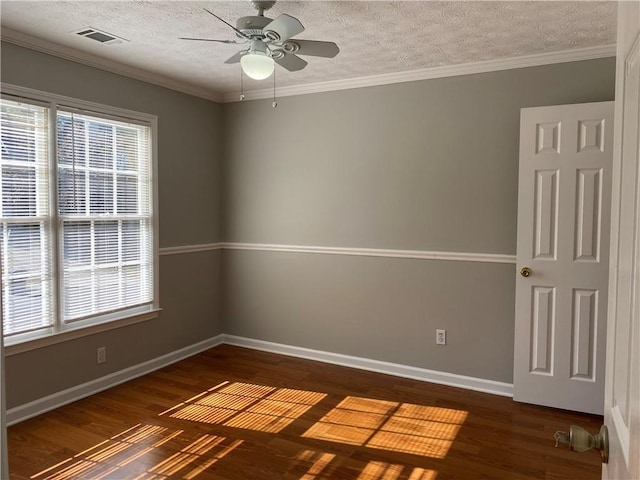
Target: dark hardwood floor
[{"x": 238, "y": 414}]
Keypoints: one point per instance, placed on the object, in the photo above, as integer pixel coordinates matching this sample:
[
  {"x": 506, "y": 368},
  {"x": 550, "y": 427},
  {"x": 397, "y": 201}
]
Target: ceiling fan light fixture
[
  {"x": 257, "y": 62},
  {"x": 257, "y": 65}
]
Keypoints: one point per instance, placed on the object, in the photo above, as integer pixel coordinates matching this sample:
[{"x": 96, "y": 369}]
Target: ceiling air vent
[{"x": 99, "y": 35}]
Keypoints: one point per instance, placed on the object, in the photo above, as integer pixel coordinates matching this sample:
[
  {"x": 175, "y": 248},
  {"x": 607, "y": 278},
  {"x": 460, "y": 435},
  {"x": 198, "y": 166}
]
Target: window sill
[{"x": 73, "y": 333}]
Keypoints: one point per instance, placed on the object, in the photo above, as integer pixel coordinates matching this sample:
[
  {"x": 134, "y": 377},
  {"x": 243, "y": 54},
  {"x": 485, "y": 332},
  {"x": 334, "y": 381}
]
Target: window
[{"x": 77, "y": 231}]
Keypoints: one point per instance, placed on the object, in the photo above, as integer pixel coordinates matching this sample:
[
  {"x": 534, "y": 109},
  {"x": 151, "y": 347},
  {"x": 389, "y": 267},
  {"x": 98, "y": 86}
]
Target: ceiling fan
[{"x": 270, "y": 41}]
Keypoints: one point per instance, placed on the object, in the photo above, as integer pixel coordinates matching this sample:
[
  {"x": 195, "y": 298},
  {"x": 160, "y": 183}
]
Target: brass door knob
[
  {"x": 526, "y": 271},
  {"x": 580, "y": 440}
]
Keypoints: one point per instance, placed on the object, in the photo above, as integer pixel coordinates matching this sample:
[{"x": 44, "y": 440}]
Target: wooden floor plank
[{"x": 238, "y": 414}]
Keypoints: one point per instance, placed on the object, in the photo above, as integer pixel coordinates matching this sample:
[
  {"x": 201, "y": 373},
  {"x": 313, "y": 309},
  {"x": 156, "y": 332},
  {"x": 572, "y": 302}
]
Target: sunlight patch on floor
[
  {"x": 143, "y": 452},
  {"x": 320, "y": 462},
  {"x": 244, "y": 405},
  {"x": 422, "y": 474},
  {"x": 323, "y": 466},
  {"x": 381, "y": 471},
  {"x": 400, "y": 427}
]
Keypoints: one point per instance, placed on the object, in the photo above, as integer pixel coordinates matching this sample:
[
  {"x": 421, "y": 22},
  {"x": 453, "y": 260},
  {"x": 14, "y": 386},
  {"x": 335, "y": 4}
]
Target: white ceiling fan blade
[
  {"x": 240, "y": 34},
  {"x": 282, "y": 28},
  {"x": 236, "y": 58},
  {"x": 311, "y": 47},
  {"x": 209, "y": 40},
  {"x": 291, "y": 62}
]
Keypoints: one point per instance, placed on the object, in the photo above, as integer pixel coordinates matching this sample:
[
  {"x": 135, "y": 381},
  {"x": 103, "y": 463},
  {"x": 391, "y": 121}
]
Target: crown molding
[
  {"x": 589, "y": 53},
  {"x": 37, "y": 44},
  {"x": 34, "y": 43}
]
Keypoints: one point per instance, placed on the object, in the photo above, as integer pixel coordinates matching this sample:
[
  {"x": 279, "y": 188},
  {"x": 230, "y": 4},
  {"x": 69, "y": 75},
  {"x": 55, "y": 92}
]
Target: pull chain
[
  {"x": 275, "y": 103},
  {"x": 241, "y": 85}
]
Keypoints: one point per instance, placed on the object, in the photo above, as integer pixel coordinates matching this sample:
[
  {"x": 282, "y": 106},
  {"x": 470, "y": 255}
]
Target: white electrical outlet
[
  {"x": 101, "y": 355},
  {"x": 441, "y": 337}
]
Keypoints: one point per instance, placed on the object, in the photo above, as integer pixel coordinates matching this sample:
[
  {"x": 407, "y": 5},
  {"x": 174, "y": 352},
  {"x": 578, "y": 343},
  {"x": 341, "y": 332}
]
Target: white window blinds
[
  {"x": 105, "y": 205},
  {"x": 25, "y": 237},
  {"x": 77, "y": 224}
]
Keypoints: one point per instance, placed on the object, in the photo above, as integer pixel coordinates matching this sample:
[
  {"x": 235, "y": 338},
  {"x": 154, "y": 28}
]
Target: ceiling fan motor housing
[{"x": 252, "y": 25}]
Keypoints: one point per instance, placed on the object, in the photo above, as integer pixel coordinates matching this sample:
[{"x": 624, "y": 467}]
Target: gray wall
[
  {"x": 378, "y": 308},
  {"x": 189, "y": 160},
  {"x": 429, "y": 165}
]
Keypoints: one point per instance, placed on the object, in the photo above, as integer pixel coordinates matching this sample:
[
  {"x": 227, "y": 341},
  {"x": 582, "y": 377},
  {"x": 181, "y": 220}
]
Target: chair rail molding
[{"x": 375, "y": 252}]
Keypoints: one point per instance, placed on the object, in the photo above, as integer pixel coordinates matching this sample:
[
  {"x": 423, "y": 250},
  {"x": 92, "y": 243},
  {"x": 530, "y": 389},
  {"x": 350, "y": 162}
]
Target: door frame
[{"x": 624, "y": 453}]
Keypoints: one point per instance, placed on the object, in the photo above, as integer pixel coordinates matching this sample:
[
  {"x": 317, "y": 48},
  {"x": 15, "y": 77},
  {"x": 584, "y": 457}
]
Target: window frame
[{"x": 61, "y": 331}]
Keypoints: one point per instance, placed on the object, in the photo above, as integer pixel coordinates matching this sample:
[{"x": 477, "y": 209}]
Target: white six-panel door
[{"x": 563, "y": 238}]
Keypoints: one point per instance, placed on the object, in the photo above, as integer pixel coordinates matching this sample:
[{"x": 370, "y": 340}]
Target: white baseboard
[
  {"x": 415, "y": 373},
  {"x": 50, "y": 402},
  {"x": 64, "y": 397}
]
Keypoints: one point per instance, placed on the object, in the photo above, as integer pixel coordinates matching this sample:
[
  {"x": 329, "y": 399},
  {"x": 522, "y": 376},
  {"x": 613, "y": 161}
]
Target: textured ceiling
[{"x": 375, "y": 37}]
